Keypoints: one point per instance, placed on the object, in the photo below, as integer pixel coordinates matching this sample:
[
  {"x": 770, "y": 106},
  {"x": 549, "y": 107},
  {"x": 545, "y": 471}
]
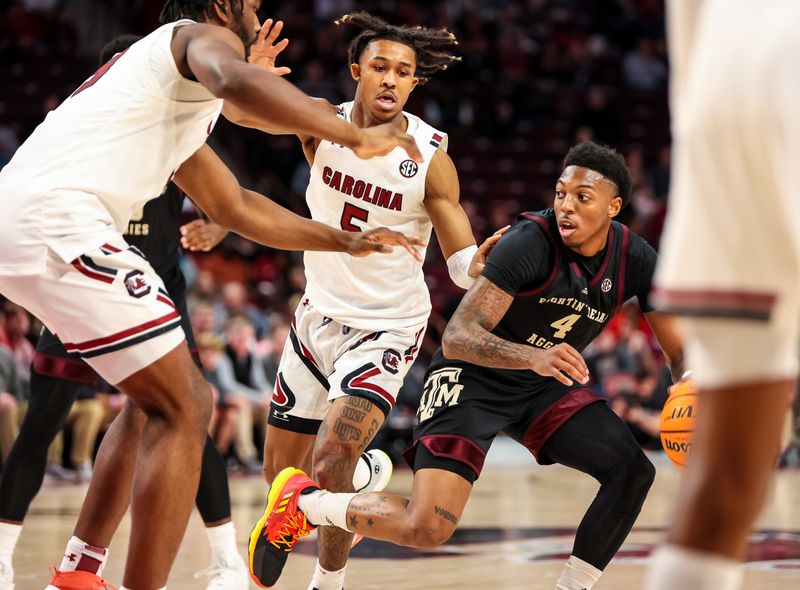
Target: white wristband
[{"x": 458, "y": 266}]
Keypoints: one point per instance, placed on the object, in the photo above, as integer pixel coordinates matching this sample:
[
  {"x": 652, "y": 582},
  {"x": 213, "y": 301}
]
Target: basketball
[{"x": 677, "y": 422}]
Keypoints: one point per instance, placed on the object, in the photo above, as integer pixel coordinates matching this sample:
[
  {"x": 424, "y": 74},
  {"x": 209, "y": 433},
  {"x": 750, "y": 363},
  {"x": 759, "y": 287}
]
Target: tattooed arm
[{"x": 468, "y": 337}]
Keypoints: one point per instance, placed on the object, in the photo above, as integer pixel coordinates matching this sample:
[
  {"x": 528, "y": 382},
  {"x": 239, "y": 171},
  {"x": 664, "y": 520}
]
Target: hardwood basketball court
[{"x": 516, "y": 533}]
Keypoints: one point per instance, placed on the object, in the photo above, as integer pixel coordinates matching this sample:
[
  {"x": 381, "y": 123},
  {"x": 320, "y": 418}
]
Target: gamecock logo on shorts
[
  {"x": 391, "y": 360},
  {"x": 137, "y": 284},
  {"x": 409, "y": 168}
]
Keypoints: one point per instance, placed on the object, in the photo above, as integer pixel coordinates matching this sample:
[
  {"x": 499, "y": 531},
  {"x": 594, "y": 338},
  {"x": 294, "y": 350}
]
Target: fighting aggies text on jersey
[
  {"x": 376, "y": 292},
  {"x": 113, "y": 144}
]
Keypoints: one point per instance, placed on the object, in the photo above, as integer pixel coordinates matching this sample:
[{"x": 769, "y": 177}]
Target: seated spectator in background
[
  {"x": 18, "y": 324},
  {"x": 644, "y": 70},
  {"x": 218, "y": 371},
  {"x": 9, "y": 385},
  {"x": 234, "y": 303},
  {"x": 203, "y": 317},
  {"x": 85, "y": 419},
  {"x": 252, "y": 391},
  {"x": 640, "y": 404},
  {"x": 280, "y": 332}
]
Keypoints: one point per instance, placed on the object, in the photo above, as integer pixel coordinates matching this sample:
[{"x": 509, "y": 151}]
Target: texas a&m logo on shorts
[{"x": 137, "y": 284}]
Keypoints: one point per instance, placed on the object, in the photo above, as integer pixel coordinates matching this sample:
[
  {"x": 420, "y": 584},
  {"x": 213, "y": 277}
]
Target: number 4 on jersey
[{"x": 564, "y": 325}]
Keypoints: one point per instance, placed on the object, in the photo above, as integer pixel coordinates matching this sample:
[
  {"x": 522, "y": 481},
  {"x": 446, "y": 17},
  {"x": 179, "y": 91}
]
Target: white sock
[
  {"x": 79, "y": 555},
  {"x": 578, "y": 575},
  {"x": 9, "y": 535},
  {"x": 327, "y": 580},
  {"x": 326, "y": 508},
  {"x": 222, "y": 540},
  {"x": 674, "y": 567}
]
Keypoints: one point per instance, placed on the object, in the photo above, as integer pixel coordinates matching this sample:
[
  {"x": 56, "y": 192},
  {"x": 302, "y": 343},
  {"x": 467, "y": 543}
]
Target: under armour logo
[
  {"x": 306, "y": 302},
  {"x": 71, "y": 557}
]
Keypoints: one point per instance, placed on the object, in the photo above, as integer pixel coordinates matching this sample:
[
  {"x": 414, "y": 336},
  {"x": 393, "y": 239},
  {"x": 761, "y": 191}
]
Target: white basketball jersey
[
  {"x": 105, "y": 151},
  {"x": 381, "y": 291}
]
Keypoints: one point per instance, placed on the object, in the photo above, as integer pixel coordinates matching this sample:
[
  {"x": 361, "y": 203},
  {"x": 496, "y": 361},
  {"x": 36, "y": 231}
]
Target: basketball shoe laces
[{"x": 293, "y": 528}]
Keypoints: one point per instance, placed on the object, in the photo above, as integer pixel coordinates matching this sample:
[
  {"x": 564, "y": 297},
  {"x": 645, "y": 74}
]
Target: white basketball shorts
[
  {"x": 324, "y": 360},
  {"x": 108, "y": 305},
  {"x": 730, "y": 254}
]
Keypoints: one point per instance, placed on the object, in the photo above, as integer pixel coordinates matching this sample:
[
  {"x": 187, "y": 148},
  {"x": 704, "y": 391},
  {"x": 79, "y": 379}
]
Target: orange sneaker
[
  {"x": 278, "y": 530},
  {"x": 77, "y": 580}
]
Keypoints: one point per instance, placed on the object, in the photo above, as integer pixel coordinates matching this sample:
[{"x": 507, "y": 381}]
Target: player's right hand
[
  {"x": 562, "y": 362},
  {"x": 382, "y": 139},
  {"x": 265, "y": 50},
  {"x": 381, "y": 239}
]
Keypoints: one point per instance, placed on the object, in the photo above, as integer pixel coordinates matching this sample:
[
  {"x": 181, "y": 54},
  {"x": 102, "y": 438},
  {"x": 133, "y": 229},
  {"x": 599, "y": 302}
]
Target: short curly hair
[
  {"x": 433, "y": 47},
  {"x": 605, "y": 160}
]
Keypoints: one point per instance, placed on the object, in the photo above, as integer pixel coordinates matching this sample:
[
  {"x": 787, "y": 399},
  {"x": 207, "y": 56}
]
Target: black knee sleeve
[{"x": 213, "y": 498}]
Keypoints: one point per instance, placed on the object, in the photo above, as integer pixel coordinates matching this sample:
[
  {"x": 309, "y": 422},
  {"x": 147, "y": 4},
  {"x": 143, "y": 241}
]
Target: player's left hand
[
  {"x": 264, "y": 51},
  {"x": 479, "y": 260},
  {"x": 201, "y": 236},
  {"x": 381, "y": 239}
]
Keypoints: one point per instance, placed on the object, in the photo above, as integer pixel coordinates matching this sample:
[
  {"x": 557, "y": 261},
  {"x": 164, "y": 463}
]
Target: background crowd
[{"x": 536, "y": 77}]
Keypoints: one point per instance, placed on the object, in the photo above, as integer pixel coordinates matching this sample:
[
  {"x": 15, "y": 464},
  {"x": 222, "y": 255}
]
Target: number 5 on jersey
[
  {"x": 351, "y": 212},
  {"x": 564, "y": 325}
]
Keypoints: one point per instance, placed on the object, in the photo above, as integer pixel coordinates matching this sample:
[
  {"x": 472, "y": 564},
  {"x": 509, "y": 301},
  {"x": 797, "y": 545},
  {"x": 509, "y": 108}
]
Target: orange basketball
[{"x": 677, "y": 422}]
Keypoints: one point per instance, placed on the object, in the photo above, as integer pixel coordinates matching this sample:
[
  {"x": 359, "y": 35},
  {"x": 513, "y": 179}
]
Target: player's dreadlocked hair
[
  {"x": 605, "y": 160},
  {"x": 432, "y": 46},
  {"x": 193, "y": 9}
]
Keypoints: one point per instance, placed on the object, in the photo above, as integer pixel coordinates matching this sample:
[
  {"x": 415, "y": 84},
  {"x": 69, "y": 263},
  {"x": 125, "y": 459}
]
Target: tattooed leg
[
  {"x": 427, "y": 520},
  {"x": 350, "y": 425}
]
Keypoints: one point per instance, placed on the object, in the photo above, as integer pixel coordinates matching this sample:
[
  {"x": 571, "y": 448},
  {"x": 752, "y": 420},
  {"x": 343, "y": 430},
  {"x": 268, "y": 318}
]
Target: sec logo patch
[{"x": 409, "y": 168}]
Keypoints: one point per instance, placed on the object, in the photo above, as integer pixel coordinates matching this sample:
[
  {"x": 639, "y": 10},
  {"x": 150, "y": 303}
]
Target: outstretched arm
[
  {"x": 468, "y": 337},
  {"x": 214, "y": 188},
  {"x": 215, "y": 57},
  {"x": 465, "y": 260}
]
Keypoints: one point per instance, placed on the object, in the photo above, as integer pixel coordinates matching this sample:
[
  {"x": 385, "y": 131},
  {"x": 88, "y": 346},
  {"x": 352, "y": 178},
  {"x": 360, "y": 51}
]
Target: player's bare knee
[{"x": 431, "y": 530}]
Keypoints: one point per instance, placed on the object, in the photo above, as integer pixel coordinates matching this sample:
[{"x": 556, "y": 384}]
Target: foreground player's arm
[
  {"x": 215, "y": 57},
  {"x": 641, "y": 269},
  {"x": 465, "y": 260},
  {"x": 214, "y": 188},
  {"x": 666, "y": 332},
  {"x": 468, "y": 337}
]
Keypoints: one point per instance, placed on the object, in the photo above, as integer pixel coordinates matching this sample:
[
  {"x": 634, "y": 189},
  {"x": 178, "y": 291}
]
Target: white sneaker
[
  {"x": 228, "y": 573},
  {"x": 6, "y": 576},
  {"x": 380, "y": 471}
]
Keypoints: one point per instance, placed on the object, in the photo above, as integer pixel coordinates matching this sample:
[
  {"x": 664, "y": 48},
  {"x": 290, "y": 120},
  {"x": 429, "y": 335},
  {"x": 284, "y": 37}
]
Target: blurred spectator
[
  {"x": 251, "y": 392},
  {"x": 9, "y": 394},
  {"x": 644, "y": 70},
  {"x": 598, "y": 115},
  {"x": 18, "y": 323},
  {"x": 280, "y": 332},
  {"x": 640, "y": 407},
  {"x": 234, "y": 303},
  {"x": 85, "y": 419}
]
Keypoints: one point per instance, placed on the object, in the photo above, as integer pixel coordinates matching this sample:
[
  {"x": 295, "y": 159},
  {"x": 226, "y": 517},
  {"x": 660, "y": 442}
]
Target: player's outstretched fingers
[{"x": 382, "y": 235}]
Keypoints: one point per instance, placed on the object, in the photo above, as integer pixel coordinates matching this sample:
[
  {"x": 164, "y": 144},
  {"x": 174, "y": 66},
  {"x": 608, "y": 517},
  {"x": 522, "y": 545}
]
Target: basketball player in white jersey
[
  {"x": 731, "y": 262},
  {"x": 360, "y": 323},
  {"x": 66, "y": 197}
]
